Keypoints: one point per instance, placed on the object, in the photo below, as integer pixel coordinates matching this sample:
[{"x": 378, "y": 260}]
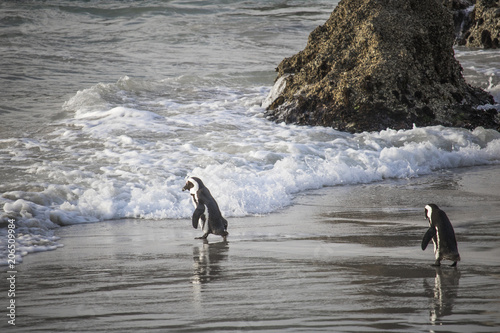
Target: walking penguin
[
  {"x": 212, "y": 222},
  {"x": 442, "y": 234}
]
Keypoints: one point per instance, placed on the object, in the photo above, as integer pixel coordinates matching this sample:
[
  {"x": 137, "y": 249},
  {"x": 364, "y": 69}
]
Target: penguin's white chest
[
  {"x": 194, "y": 199},
  {"x": 202, "y": 221},
  {"x": 205, "y": 226},
  {"x": 436, "y": 243},
  {"x": 435, "y": 240}
]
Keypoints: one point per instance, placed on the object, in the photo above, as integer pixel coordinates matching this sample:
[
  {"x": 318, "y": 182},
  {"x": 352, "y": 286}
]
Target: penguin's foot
[
  {"x": 203, "y": 237},
  {"x": 437, "y": 263},
  {"x": 454, "y": 264}
]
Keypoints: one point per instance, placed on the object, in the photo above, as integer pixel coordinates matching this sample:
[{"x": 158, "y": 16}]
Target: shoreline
[{"x": 314, "y": 265}]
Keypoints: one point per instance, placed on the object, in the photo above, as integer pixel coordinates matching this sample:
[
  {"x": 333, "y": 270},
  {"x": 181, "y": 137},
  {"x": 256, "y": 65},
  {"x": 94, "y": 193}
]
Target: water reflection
[
  {"x": 207, "y": 258},
  {"x": 206, "y": 268},
  {"x": 445, "y": 292}
]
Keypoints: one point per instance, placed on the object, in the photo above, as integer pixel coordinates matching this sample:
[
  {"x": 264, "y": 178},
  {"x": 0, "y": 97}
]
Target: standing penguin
[
  {"x": 442, "y": 235},
  {"x": 215, "y": 223}
]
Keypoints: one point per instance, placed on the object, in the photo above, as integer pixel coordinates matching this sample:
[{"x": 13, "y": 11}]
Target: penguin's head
[
  {"x": 193, "y": 184},
  {"x": 429, "y": 209}
]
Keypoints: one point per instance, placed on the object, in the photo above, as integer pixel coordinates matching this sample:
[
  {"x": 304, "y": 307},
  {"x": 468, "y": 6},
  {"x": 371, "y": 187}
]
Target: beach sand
[{"x": 341, "y": 259}]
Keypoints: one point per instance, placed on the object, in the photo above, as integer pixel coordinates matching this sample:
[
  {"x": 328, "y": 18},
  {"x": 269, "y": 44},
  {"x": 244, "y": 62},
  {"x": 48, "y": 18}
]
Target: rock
[
  {"x": 485, "y": 28},
  {"x": 378, "y": 64},
  {"x": 458, "y": 4},
  {"x": 463, "y": 17}
]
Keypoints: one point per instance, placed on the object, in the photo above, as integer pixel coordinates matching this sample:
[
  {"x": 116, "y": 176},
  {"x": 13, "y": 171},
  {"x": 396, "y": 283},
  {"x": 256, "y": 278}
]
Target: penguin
[
  {"x": 214, "y": 223},
  {"x": 442, "y": 234}
]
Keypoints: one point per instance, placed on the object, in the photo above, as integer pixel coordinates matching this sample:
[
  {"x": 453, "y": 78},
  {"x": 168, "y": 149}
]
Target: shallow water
[{"x": 343, "y": 259}]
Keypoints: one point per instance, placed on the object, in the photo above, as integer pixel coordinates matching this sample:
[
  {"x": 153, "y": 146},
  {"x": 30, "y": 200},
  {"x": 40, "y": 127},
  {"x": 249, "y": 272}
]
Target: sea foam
[{"x": 125, "y": 153}]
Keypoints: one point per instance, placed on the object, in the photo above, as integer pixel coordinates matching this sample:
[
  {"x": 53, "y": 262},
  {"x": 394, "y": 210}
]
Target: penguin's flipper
[
  {"x": 431, "y": 232},
  {"x": 198, "y": 212}
]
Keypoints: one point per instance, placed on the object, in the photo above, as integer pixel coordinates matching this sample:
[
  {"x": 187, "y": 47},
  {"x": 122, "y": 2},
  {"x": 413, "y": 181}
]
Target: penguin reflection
[
  {"x": 444, "y": 293},
  {"x": 206, "y": 261}
]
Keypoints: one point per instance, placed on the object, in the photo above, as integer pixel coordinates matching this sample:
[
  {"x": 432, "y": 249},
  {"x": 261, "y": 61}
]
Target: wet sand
[{"x": 341, "y": 259}]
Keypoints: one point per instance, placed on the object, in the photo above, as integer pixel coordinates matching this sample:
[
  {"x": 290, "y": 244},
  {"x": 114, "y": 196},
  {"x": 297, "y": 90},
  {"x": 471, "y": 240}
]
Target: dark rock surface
[
  {"x": 378, "y": 64},
  {"x": 484, "y": 26},
  {"x": 463, "y": 17}
]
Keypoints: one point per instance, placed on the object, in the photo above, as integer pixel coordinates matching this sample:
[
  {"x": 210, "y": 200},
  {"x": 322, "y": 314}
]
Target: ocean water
[{"x": 107, "y": 106}]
